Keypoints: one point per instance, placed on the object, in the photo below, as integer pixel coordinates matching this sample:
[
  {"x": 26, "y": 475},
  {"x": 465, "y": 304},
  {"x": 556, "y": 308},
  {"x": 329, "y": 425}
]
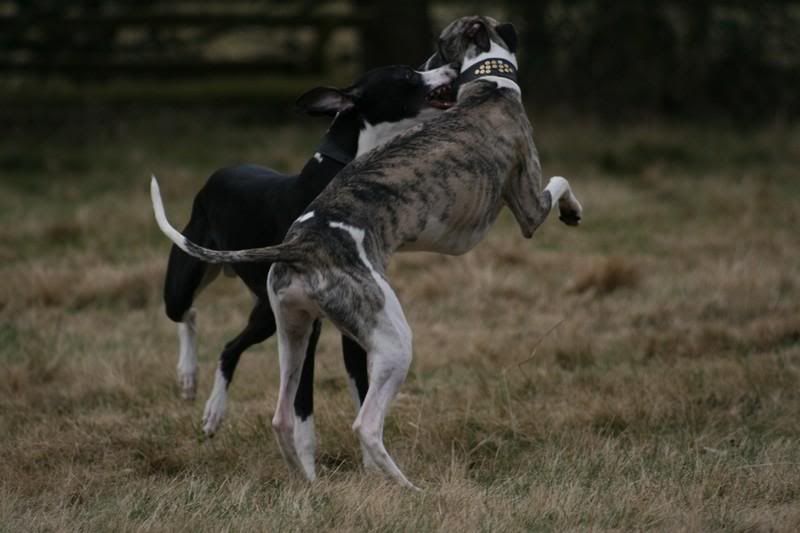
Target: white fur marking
[
  {"x": 561, "y": 196},
  {"x": 372, "y": 136},
  {"x": 187, "y": 355},
  {"x": 215, "y": 406},
  {"x": 305, "y": 442},
  {"x": 438, "y": 76},
  {"x": 504, "y": 83},
  {"x": 367, "y": 461},
  {"x": 318, "y": 157},
  {"x": 358, "y": 236},
  {"x": 161, "y": 217},
  {"x": 304, "y": 217},
  {"x": 557, "y": 186}
]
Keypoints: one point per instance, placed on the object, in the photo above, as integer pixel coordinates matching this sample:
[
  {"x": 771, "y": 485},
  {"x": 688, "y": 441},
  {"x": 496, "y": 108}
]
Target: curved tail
[{"x": 285, "y": 252}]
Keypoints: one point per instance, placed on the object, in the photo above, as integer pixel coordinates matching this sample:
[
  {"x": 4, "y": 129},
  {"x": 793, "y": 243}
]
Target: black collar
[
  {"x": 333, "y": 151},
  {"x": 489, "y": 67}
]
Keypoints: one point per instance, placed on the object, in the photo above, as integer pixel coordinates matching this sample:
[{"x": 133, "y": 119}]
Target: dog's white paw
[
  {"x": 305, "y": 442},
  {"x": 187, "y": 355},
  {"x": 213, "y": 414},
  {"x": 215, "y": 406},
  {"x": 369, "y": 464},
  {"x": 187, "y": 382}
]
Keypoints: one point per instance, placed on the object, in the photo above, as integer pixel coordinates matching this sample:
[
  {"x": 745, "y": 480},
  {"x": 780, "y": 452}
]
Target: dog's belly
[
  {"x": 441, "y": 240},
  {"x": 451, "y": 239}
]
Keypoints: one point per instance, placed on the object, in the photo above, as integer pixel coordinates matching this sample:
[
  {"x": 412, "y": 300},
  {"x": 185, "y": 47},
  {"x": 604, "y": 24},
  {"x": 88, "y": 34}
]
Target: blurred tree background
[{"x": 683, "y": 58}]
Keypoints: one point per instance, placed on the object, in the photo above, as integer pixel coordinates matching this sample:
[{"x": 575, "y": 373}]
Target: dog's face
[
  {"x": 386, "y": 94},
  {"x": 467, "y": 37}
]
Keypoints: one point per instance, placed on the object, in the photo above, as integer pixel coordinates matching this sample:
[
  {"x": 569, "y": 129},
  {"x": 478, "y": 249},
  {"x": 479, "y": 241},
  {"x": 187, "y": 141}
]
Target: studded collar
[{"x": 489, "y": 67}]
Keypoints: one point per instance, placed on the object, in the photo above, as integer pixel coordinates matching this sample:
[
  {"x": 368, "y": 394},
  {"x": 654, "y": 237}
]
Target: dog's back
[{"x": 439, "y": 186}]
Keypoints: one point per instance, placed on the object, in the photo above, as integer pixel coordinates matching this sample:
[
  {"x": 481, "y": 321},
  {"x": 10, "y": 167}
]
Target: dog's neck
[
  {"x": 336, "y": 149},
  {"x": 350, "y": 136},
  {"x": 374, "y": 135},
  {"x": 497, "y": 65},
  {"x": 340, "y": 142}
]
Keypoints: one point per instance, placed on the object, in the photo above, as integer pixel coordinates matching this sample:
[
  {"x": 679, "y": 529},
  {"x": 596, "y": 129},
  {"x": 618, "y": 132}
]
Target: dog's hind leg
[
  {"x": 389, "y": 349},
  {"x": 368, "y": 310},
  {"x": 305, "y": 438},
  {"x": 355, "y": 361},
  {"x": 260, "y": 326},
  {"x": 187, "y": 355},
  {"x": 295, "y": 328},
  {"x": 185, "y": 278}
]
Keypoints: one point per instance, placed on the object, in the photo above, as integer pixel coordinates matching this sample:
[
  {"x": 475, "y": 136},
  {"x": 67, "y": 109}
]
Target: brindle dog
[{"x": 438, "y": 187}]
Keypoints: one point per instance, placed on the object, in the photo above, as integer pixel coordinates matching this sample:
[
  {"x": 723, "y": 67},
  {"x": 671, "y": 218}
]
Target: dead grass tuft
[
  {"x": 133, "y": 287},
  {"x": 574, "y": 358},
  {"x": 608, "y": 275}
]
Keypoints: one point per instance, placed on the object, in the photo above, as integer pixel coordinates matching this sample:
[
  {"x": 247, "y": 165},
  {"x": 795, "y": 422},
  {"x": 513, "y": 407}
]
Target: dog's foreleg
[
  {"x": 214, "y": 410},
  {"x": 260, "y": 326},
  {"x": 186, "y": 278},
  {"x": 530, "y": 204},
  {"x": 187, "y": 355},
  {"x": 569, "y": 208},
  {"x": 389, "y": 360}
]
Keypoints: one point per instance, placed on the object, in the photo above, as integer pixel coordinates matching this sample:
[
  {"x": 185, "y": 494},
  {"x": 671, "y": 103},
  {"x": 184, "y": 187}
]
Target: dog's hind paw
[{"x": 187, "y": 382}]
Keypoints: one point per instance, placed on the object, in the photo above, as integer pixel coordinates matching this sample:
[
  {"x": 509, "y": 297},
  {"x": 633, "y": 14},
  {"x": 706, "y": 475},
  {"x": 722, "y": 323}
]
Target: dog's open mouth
[{"x": 442, "y": 97}]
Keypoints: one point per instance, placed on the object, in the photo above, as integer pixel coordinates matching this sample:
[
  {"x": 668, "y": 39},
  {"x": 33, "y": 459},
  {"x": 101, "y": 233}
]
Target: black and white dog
[
  {"x": 250, "y": 206},
  {"x": 437, "y": 187}
]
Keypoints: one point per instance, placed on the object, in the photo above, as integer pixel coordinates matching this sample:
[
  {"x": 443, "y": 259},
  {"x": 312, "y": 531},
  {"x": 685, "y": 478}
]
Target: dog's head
[
  {"x": 382, "y": 104},
  {"x": 467, "y": 37},
  {"x": 386, "y": 94}
]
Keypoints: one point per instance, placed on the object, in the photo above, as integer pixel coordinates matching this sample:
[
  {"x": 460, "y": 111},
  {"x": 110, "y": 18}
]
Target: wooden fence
[{"x": 102, "y": 39}]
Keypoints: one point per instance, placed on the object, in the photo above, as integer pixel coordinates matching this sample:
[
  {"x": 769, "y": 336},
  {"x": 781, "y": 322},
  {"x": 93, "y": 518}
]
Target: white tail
[
  {"x": 282, "y": 252},
  {"x": 161, "y": 216}
]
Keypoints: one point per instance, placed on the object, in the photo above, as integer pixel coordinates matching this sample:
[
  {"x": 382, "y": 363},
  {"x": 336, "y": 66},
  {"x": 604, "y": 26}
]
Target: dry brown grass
[{"x": 640, "y": 372}]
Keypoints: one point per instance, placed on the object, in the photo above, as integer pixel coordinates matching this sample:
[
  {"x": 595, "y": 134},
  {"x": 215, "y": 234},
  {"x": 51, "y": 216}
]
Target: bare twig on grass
[{"x": 532, "y": 356}]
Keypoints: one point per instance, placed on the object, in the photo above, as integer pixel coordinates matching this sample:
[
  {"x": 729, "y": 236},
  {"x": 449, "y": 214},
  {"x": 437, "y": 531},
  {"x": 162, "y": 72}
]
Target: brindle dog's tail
[{"x": 285, "y": 252}]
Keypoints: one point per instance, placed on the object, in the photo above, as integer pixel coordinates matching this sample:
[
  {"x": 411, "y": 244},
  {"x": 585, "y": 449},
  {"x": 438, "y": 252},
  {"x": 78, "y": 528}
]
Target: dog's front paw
[
  {"x": 214, "y": 413},
  {"x": 570, "y": 211}
]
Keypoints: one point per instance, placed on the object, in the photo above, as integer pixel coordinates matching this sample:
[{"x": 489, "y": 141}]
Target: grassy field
[{"x": 639, "y": 372}]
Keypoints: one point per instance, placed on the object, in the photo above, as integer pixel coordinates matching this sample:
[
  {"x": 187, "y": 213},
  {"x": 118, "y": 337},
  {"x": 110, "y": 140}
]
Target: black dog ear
[
  {"x": 507, "y": 32},
  {"x": 479, "y": 34},
  {"x": 324, "y": 101}
]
